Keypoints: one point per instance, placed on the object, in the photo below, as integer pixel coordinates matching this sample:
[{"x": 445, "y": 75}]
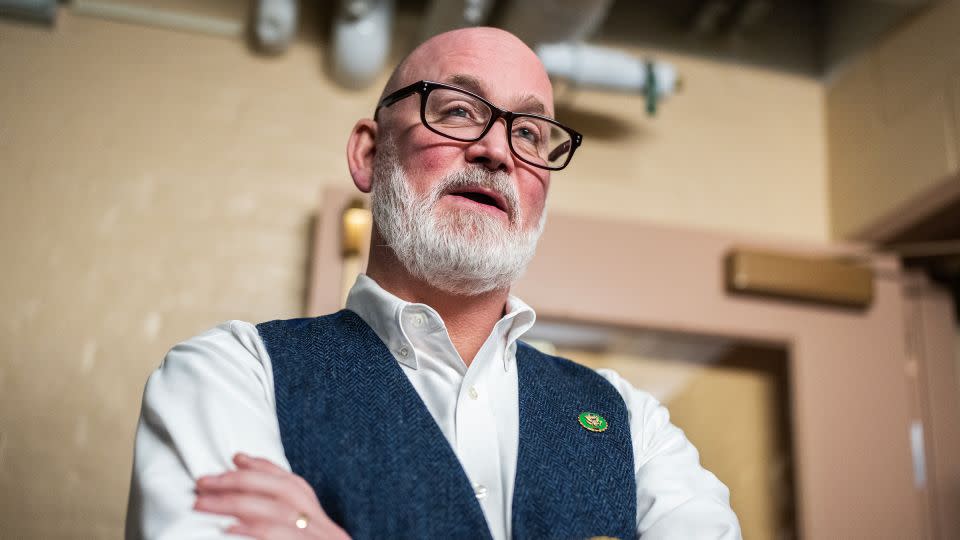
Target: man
[{"x": 417, "y": 412}]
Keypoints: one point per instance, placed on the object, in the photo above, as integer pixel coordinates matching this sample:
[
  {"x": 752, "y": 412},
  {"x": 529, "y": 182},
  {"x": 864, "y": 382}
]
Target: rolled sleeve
[{"x": 210, "y": 398}]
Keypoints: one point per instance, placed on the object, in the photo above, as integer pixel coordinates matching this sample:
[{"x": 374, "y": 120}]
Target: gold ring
[{"x": 301, "y": 521}]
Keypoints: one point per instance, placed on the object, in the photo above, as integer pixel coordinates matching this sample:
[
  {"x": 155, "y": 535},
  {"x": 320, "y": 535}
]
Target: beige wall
[
  {"x": 740, "y": 149},
  {"x": 894, "y": 125},
  {"x": 156, "y": 183}
]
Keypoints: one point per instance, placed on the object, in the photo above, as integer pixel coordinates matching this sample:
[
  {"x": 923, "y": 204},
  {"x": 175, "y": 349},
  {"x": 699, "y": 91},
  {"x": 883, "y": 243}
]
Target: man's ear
[{"x": 361, "y": 149}]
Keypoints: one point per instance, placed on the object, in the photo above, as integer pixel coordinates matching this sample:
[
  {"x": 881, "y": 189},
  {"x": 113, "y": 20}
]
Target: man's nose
[{"x": 493, "y": 149}]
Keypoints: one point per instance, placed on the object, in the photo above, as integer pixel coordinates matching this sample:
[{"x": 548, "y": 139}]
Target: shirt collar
[
  {"x": 383, "y": 312},
  {"x": 519, "y": 318}
]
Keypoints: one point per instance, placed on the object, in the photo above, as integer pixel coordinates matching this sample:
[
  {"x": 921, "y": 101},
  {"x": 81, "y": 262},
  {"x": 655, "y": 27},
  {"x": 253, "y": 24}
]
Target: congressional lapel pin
[{"x": 592, "y": 421}]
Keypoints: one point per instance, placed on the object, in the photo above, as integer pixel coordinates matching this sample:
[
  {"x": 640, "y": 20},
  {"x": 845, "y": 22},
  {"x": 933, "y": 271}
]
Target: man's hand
[{"x": 269, "y": 502}]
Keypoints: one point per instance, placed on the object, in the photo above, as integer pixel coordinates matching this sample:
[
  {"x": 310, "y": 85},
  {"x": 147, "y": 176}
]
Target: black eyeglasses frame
[{"x": 423, "y": 88}]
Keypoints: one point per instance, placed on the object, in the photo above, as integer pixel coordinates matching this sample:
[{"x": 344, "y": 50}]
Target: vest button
[{"x": 474, "y": 394}]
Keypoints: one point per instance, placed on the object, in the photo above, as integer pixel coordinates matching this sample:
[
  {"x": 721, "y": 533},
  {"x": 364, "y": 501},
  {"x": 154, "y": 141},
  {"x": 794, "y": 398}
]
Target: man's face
[
  {"x": 462, "y": 250},
  {"x": 464, "y": 216},
  {"x": 505, "y": 72}
]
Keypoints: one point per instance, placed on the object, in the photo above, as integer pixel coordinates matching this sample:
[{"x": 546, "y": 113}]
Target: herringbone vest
[{"x": 354, "y": 427}]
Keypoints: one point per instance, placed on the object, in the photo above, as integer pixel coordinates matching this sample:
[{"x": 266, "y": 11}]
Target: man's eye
[
  {"x": 458, "y": 111},
  {"x": 527, "y": 134}
]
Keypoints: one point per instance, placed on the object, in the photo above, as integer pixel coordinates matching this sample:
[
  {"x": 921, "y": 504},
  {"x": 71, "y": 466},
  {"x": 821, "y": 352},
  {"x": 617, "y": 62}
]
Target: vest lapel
[{"x": 571, "y": 482}]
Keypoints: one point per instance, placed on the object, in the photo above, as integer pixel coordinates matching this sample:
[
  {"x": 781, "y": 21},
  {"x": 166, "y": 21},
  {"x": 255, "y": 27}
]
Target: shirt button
[
  {"x": 419, "y": 320},
  {"x": 404, "y": 351},
  {"x": 480, "y": 491},
  {"x": 474, "y": 394}
]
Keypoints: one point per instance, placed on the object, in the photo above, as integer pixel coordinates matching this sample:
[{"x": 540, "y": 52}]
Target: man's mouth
[{"x": 482, "y": 196}]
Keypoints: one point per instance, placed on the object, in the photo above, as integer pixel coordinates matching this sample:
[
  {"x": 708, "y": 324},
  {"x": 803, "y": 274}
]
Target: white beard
[{"x": 462, "y": 252}]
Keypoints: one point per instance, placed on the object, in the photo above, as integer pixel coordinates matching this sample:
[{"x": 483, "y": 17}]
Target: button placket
[{"x": 478, "y": 440}]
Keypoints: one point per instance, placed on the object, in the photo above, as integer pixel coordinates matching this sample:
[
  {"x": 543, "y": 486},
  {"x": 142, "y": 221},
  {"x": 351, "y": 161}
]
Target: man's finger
[
  {"x": 244, "y": 480},
  {"x": 270, "y": 531},
  {"x": 250, "y": 508},
  {"x": 246, "y": 462},
  {"x": 249, "y": 482}
]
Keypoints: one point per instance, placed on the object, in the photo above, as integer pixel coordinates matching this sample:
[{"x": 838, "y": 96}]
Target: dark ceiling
[{"x": 809, "y": 37}]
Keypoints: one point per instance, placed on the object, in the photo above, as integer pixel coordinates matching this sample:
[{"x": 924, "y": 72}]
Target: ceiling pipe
[
  {"x": 275, "y": 24},
  {"x": 605, "y": 68},
  {"x": 552, "y": 21},
  {"x": 37, "y": 11},
  {"x": 443, "y": 15},
  {"x": 160, "y": 18},
  {"x": 709, "y": 17},
  {"x": 557, "y": 30},
  {"x": 361, "y": 41}
]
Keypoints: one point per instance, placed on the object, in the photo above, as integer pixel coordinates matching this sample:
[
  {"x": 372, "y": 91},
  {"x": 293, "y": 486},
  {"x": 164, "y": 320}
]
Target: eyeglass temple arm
[
  {"x": 556, "y": 152},
  {"x": 398, "y": 95},
  {"x": 386, "y": 102}
]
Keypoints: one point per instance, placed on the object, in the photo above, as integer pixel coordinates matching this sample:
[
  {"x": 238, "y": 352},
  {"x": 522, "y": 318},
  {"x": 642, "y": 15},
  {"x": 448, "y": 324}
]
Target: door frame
[{"x": 853, "y": 392}]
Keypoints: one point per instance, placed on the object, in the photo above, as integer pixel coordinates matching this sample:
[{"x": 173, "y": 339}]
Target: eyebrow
[{"x": 528, "y": 104}]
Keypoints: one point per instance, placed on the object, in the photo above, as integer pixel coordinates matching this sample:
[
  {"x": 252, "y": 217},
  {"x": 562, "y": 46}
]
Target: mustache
[{"x": 499, "y": 182}]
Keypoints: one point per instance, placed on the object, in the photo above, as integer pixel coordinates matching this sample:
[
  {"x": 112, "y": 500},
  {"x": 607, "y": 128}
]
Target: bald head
[
  {"x": 489, "y": 60},
  {"x": 463, "y": 182}
]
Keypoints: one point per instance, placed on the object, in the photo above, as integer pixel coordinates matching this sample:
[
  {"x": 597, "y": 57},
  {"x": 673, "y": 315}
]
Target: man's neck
[{"x": 469, "y": 319}]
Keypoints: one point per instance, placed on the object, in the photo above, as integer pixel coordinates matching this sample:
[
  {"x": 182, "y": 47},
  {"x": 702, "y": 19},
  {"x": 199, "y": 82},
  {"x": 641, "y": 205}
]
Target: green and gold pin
[{"x": 592, "y": 421}]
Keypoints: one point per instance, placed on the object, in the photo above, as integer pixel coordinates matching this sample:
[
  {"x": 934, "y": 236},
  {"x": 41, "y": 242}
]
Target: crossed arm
[
  {"x": 268, "y": 502},
  {"x": 212, "y": 398}
]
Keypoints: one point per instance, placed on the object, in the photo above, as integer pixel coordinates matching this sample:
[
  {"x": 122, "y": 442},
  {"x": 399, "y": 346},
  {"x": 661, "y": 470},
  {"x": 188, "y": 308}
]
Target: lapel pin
[{"x": 592, "y": 421}]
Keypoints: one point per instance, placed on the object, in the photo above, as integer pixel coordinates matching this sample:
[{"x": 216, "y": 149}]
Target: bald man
[{"x": 416, "y": 412}]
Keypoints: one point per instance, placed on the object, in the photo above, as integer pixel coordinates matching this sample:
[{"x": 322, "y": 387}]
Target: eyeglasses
[{"x": 464, "y": 116}]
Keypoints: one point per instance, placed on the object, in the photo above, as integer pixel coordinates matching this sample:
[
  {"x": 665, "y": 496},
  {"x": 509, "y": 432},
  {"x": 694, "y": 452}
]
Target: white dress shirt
[{"x": 213, "y": 396}]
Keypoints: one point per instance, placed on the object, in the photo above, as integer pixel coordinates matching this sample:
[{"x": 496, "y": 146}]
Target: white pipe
[
  {"x": 361, "y": 41},
  {"x": 158, "y": 17},
  {"x": 605, "y": 68},
  {"x": 275, "y": 24}
]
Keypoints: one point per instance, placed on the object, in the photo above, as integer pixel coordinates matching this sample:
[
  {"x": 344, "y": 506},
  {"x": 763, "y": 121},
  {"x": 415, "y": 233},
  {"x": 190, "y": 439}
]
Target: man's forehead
[
  {"x": 486, "y": 61},
  {"x": 521, "y": 100}
]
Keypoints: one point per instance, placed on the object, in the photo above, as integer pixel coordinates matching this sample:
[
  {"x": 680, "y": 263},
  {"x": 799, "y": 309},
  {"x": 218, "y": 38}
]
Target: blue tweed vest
[{"x": 354, "y": 427}]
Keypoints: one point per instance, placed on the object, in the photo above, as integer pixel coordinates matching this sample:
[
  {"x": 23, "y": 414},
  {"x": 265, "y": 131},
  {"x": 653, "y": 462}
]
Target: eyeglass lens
[{"x": 462, "y": 116}]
